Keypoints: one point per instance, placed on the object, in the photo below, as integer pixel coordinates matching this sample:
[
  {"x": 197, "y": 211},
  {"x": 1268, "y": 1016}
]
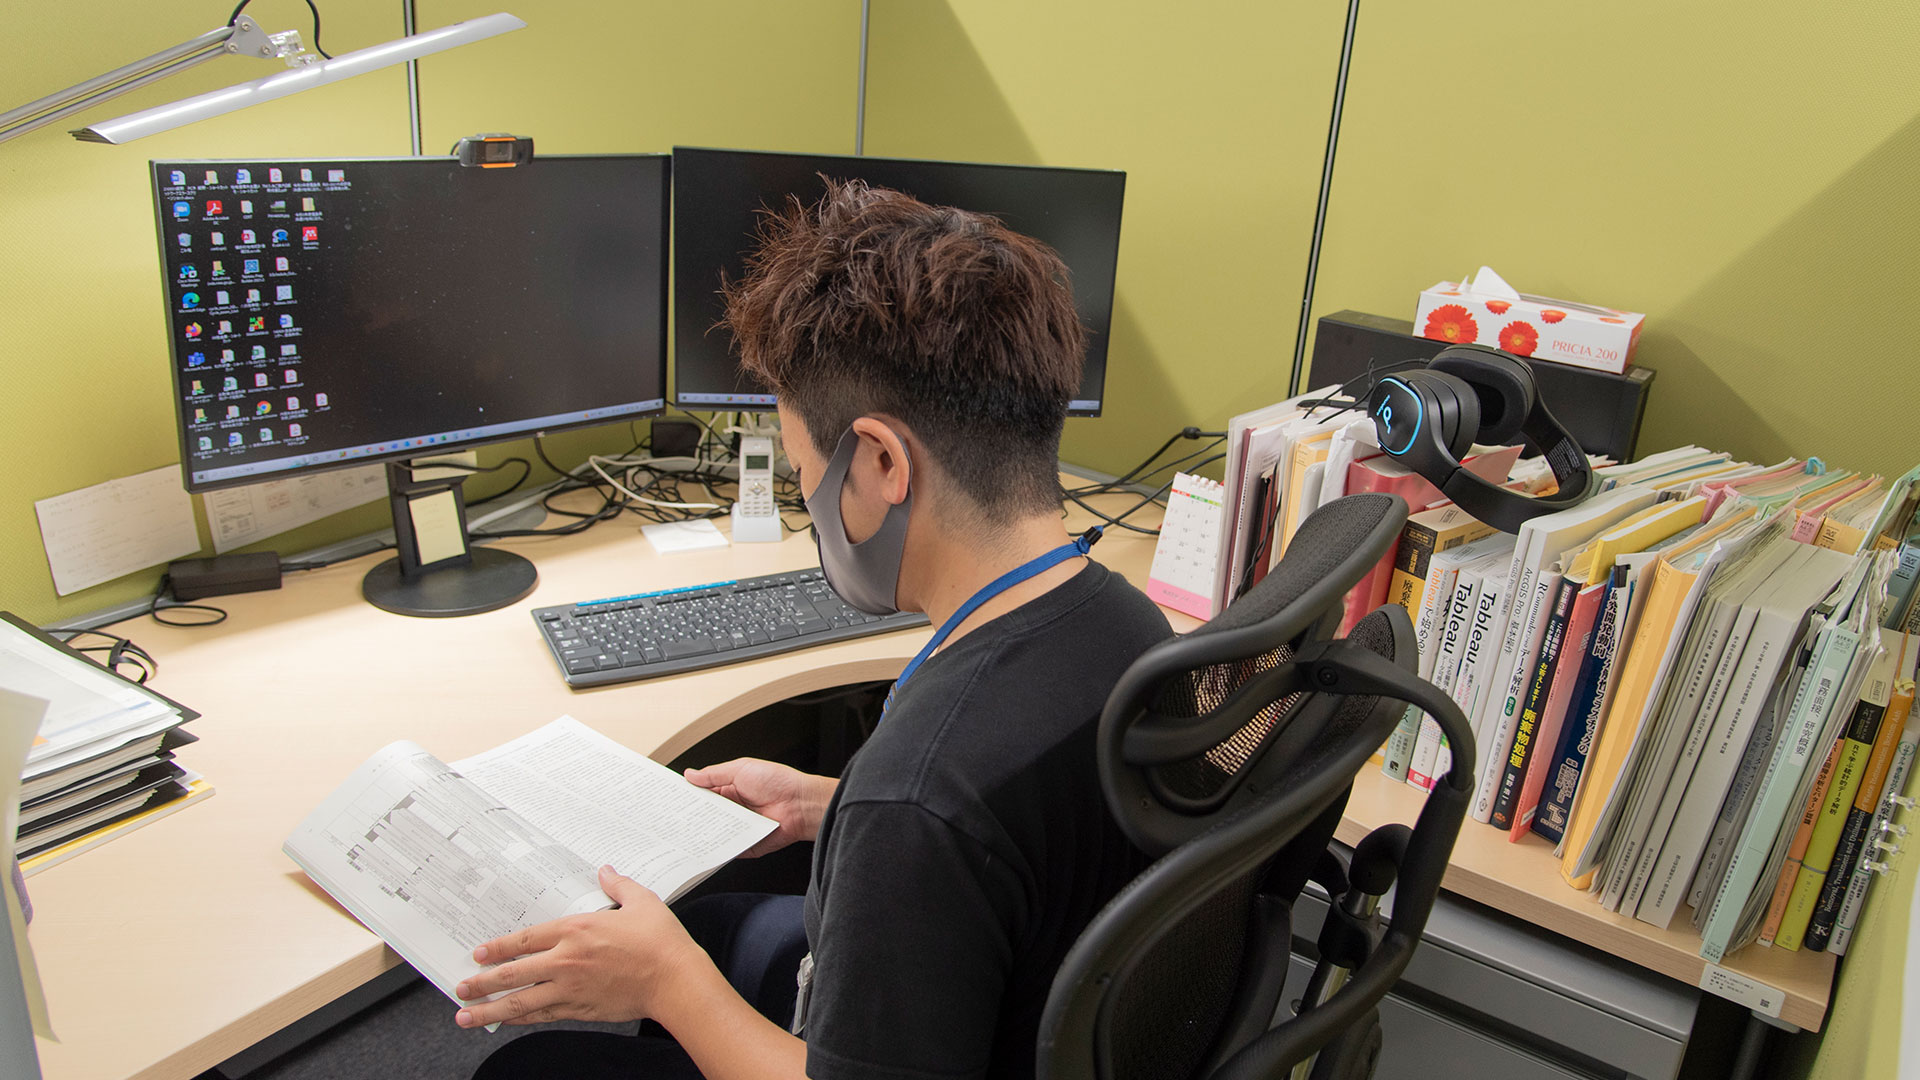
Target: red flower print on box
[
  {"x": 1519, "y": 337},
  {"x": 1498, "y": 307},
  {"x": 1452, "y": 323},
  {"x": 1551, "y": 315}
]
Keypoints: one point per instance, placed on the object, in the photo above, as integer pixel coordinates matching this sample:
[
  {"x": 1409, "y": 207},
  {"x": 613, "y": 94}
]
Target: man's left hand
[{"x": 603, "y": 966}]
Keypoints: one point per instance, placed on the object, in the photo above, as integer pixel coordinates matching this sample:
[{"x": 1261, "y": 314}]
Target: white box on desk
[{"x": 1488, "y": 311}]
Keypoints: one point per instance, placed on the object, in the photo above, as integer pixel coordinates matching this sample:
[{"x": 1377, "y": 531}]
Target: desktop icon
[
  {"x": 182, "y": 209},
  {"x": 307, "y": 205},
  {"x": 186, "y": 239},
  {"x": 233, "y": 438},
  {"x": 286, "y": 322},
  {"x": 218, "y": 239},
  {"x": 279, "y": 236},
  {"x": 250, "y": 266},
  {"x": 206, "y": 442},
  {"x": 188, "y": 272},
  {"x": 226, "y": 357},
  {"x": 219, "y": 268},
  {"x": 242, "y": 176},
  {"x": 283, "y": 292},
  {"x": 259, "y": 352},
  {"x": 260, "y": 379},
  {"x": 226, "y": 327},
  {"x": 266, "y": 434},
  {"x": 176, "y": 178},
  {"x": 212, "y": 177},
  {"x": 289, "y": 350},
  {"x": 246, "y": 207},
  {"x": 198, "y": 389},
  {"x": 220, "y": 297},
  {"x": 291, "y": 376},
  {"x": 273, "y": 176},
  {"x": 214, "y": 207},
  {"x": 192, "y": 331},
  {"x": 247, "y": 237},
  {"x": 253, "y": 296},
  {"x": 306, "y": 176},
  {"x": 199, "y": 416},
  {"x": 263, "y": 408},
  {"x": 319, "y": 401},
  {"x": 280, "y": 263},
  {"x": 310, "y": 233},
  {"x": 293, "y": 404},
  {"x": 277, "y": 206},
  {"x": 233, "y": 412},
  {"x": 229, "y": 384},
  {"x": 293, "y": 431},
  {"x": 190, "y": 300},
  {"x": 336, "y": 176},
  {"x": 196, "y": 359},
  {"x": 256, "y": 322}
]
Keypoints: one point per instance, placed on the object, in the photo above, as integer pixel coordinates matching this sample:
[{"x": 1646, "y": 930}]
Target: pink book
[
  {"x": 1580, "y": 622},
  {"x": 1719, "y": 491}
]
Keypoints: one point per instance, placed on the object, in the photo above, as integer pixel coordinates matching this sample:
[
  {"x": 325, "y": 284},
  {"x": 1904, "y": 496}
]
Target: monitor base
[{"x": 492, "y": 580}]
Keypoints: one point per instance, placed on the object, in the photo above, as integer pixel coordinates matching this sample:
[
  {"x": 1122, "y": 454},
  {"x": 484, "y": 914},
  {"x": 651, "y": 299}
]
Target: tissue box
[{"x": 1580, "y": 335}]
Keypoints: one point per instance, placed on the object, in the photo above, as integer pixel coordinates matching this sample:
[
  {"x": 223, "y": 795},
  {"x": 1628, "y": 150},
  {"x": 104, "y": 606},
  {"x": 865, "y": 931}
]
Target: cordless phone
[{"x": 756, "y": 517}]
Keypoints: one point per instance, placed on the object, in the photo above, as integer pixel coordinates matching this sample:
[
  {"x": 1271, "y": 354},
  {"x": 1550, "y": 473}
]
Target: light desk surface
[{"x": 177, "y": 946}]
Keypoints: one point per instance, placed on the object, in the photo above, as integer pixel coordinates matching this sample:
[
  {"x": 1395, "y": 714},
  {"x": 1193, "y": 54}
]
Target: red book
[{"x": 1580, "y": 623}]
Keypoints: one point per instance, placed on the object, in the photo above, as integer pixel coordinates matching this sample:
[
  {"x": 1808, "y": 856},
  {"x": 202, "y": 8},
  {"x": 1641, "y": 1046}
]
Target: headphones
[{"x": 1428, "y": 418}]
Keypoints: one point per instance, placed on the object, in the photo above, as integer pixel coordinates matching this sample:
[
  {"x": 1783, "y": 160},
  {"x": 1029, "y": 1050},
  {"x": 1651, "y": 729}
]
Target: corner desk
[{"x": 177, "y": 946}]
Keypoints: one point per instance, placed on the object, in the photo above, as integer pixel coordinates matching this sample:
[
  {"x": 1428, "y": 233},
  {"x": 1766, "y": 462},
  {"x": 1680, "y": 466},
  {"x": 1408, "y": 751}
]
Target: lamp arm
[{"x": 36, "y": 114}]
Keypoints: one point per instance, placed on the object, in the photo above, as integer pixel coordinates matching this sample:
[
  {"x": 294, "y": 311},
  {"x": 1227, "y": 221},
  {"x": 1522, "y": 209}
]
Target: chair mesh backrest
[{"x": 1170, "y": 1008}]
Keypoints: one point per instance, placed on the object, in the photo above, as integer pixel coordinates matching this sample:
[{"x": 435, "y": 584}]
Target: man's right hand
[{"x": 795, "y": 799}]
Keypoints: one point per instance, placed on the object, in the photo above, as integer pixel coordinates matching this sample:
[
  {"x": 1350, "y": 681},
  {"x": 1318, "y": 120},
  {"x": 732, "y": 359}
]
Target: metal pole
[
  {"x": 407, "y": 27},
  {"x": 860, "y": 99},
  {"x": 1320, "y": 208}
]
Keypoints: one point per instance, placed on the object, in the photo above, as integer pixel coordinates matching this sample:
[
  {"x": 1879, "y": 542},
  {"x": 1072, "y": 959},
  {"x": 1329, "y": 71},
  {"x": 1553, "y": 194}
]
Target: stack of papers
[{"x": 102, "y": 762}]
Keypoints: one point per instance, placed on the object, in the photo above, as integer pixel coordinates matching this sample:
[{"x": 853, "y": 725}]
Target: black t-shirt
[{"x": 968, "y": 844}]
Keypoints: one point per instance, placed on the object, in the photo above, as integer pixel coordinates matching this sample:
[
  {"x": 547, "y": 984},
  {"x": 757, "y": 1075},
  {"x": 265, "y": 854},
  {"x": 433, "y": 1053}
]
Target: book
[
  {"x": 1864, "y": 873},
  {"x": 437, "y": 859},
  {"x": 1853, "y": 834},
  {"x": 1570, "y": 656},
  {"x": 1436, "y": 598},
  {"x": 1779, "y": 614},
  {"x": 1853, "y": 751},
  {"x": 1473, "y": 561},
  {"x": 1585, "y": 708},
  {"x": 1386, "y": 475},
  {"x": 1534, "y": 705}
]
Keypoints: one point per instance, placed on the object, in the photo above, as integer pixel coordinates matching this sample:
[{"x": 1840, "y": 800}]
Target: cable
[
  {"x": 155, "y": 607},
  {"x": 119, "y": 651},
  {"x": 242, "y": 6}
]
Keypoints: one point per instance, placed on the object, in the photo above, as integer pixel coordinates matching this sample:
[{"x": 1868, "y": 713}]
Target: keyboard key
[{"x": 698, "y": 646}]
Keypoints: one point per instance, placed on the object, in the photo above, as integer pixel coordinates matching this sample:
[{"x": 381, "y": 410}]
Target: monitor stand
[{"x": 438, "y": 572}]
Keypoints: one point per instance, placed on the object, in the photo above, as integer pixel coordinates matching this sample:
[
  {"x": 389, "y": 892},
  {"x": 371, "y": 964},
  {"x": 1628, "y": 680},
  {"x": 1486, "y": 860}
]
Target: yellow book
[
  {"x": 1641, "y": 531},
  {"x": 1839, "y": 536},
  {"x": 1309, "y": 451},
  {"x": 1624, "y": 714}
]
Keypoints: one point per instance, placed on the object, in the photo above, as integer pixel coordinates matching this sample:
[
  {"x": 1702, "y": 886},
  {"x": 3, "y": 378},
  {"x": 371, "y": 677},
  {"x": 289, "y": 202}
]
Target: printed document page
[{"x": 613, "y": 806}]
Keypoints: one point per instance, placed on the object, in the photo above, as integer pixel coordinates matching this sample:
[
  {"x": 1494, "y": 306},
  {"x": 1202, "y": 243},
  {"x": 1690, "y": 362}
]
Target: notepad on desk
[{"x": 437, "y": 859}]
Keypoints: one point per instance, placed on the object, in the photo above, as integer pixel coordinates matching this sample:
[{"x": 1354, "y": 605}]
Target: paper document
[
  {"x": 438, "y": 858},
  {"x": 85, "y": 704},
  {"x": 19, "y": 718},
  {"x": 239, "y": 516},
  {"x": 102, "y": 532},
  {"x": 673, "y": 536}
]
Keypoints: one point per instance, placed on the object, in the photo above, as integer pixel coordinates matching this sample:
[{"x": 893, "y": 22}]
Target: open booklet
[{"x": 438, "y": 858}]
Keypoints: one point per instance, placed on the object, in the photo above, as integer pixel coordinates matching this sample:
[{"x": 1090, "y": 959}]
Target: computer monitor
[
  {"x": 719, "y": 194},
  {"x": 326, "y": 314}
]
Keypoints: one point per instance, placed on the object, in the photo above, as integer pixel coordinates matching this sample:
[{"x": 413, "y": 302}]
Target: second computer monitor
[{"x": 719, "y": 196}]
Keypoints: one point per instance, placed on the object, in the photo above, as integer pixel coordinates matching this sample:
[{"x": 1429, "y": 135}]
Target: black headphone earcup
[
  {"x": 1458, "y": 414},
  {"x": 1501, "y": 384}
]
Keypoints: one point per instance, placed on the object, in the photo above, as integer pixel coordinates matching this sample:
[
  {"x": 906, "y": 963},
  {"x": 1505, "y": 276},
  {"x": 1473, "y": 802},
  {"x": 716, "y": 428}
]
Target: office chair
[{"x": 1228, "y": 754}]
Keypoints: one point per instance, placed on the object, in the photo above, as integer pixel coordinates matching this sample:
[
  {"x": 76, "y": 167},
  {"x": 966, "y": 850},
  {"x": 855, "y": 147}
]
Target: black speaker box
[{"x": 1602, "y": 411}]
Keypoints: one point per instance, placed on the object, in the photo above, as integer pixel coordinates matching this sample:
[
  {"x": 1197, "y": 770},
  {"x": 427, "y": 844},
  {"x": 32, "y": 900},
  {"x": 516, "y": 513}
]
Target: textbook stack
[
  {"x": 102, "y": 762},
  {"x": 1697, "y": 685}
]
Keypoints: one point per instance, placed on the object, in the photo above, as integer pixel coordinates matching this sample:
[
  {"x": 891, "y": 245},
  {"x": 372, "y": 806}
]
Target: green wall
[
  {"x": 1742, "y": 172},
  {"x": 87, "y": 395}
]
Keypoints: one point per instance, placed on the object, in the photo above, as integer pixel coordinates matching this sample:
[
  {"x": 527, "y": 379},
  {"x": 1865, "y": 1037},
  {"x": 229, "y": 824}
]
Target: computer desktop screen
[
  {"x": 324, "y": 314},
  {"x": 718, "y": 196}
]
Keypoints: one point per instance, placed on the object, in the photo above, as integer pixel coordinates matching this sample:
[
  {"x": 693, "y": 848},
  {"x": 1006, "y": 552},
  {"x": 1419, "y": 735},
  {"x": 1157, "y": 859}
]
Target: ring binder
[{"x": 1881, "y": 858}]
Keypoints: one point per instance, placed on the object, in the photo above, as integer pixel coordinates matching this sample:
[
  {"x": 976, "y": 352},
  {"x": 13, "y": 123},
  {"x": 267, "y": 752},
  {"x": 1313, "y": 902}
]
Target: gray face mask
[{"x": 866, "y": 574}]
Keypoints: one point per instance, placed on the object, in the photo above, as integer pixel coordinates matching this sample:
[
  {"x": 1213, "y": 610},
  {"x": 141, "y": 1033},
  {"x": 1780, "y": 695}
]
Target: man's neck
[{"x": 953, "y": 565}]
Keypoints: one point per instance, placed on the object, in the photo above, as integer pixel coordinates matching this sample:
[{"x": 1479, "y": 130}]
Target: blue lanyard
[{"x": 1034, "y": 566}]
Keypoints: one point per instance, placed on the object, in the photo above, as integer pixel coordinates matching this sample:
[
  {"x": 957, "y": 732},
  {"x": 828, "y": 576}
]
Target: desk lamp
[{"x": 242, "y": 37}]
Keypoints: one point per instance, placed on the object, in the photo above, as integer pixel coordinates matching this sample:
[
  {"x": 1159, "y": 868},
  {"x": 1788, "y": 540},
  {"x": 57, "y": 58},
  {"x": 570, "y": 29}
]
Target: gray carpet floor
[{"x": 408, "y": 1036}]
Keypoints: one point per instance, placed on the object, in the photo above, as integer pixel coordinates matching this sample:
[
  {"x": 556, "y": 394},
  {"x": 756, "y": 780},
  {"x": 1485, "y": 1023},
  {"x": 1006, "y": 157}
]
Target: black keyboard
[{"x": 675, "y": 630}]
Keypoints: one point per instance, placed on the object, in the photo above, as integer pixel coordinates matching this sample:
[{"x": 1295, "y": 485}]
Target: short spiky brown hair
[{"x": 872, "y": 301}]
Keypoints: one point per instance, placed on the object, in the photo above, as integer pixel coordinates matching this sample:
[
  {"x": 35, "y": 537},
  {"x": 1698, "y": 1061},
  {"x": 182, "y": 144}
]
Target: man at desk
[{"x": 923, "y": 358}]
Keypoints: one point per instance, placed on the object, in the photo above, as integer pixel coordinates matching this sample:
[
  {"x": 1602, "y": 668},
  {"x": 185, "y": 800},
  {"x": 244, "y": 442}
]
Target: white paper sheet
[
  {"x": 239, "y": 516},
  {"x": 101, "y": 532},
  {"x": 19, "y": 719},
  {"x": 683, "y": 536}
]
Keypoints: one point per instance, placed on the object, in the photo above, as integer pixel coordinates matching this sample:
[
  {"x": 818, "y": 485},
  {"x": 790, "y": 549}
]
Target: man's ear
[{"x": 882, "y": 460}]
